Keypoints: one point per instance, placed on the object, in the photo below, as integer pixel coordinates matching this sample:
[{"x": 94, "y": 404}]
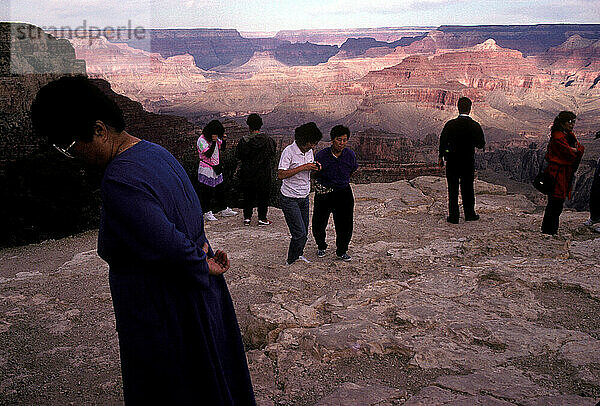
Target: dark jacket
[
  {"x": 255, "y": 153},
  {"x": 458, "y": 141},
  {"x": 563, "y": 161}
]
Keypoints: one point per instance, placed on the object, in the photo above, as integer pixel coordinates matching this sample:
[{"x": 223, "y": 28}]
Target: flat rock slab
[{"x": 489, "y": 312}]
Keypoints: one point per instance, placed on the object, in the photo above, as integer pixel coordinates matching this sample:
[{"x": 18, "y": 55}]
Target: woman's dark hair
[
  {"x": 67, "y": 109},
  {"x": 339, "y": 131},
  {"x": 560, "y": 119},
  {"x": 214, "y": 127},
  {"x": 307, "y": 134},
  {"x": 254, "y": 122}
]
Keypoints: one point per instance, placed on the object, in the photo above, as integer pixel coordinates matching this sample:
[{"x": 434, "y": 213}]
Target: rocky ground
[{"x": 427, "y": 313}]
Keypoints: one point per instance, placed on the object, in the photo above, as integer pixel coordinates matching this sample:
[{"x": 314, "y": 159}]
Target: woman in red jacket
[{"x": 563, "y": 156}]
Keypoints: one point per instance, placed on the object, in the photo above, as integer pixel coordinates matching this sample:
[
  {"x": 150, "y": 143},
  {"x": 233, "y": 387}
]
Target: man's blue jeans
[{"x": 295, "y": 211}]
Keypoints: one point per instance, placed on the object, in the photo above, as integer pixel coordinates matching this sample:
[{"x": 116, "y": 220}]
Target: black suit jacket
[{"x": 458, "y": 141}]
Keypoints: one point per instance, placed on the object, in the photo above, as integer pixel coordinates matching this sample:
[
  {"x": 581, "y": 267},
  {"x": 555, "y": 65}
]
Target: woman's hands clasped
[{"x": 218, "y": 264}]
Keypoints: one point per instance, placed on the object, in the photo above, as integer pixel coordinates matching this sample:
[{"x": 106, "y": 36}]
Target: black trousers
[
  {"x": 206, "y": 194},
  {"x": 595, "y": 195},
  {"x": 464, "y": 177},
  {"x": 256, "y": 195},
  {"x": 341, "y": 204},
  {"x": 551, "y": 215}
]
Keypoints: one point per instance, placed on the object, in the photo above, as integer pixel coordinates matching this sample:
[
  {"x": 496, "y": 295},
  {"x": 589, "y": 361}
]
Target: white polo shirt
[{"x": 297, "y": 186}]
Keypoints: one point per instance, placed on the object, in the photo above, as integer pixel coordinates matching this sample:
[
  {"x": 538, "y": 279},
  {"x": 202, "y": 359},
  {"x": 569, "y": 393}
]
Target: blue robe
[{"x": 179, "y": 339}]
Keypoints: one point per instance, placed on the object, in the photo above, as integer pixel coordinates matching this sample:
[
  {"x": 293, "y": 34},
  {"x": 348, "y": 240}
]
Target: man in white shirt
[{"x": 295, "y": 164}]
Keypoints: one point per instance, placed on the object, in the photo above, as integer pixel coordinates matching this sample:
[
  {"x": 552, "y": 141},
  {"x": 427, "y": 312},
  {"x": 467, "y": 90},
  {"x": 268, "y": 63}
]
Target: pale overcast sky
[{"x": 274, "y": 15}]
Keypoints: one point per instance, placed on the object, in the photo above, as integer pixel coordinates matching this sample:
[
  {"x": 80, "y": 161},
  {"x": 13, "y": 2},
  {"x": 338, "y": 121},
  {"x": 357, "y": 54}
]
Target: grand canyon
[
  {"x": 394, "y": 88},
  {"x": 489, "y": 312}
]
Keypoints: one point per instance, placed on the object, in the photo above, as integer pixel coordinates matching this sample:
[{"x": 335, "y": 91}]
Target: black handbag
[{"x": 543, "y": 182}]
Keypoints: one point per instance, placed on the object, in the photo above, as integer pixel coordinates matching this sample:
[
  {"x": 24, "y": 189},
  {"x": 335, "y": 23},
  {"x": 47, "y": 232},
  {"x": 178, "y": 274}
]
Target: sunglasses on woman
[{"x": 65, "y": 151}]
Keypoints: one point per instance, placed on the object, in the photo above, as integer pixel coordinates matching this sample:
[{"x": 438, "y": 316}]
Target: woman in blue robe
[{"x": 179, "y": 339}]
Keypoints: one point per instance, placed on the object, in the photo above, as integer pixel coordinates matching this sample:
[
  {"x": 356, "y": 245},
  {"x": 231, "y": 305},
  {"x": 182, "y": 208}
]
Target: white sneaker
[
  {"x": 210, "y": 216},
  {"x": 303, "y": 258},
  {"x": 228, "y": 212}
]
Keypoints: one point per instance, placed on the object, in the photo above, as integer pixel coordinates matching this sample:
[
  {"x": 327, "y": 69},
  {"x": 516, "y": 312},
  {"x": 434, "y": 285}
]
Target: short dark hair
[
  {"x": 464, "y": 105},
  {"x": 307, "y": 134},
  {"x": 254, "y": 122},
  {"x": 339, "y": 131},
  {"x": 562, "y": 118},
  {"x": 66, "y": 110},
  {"x": 213, "y": 127}
]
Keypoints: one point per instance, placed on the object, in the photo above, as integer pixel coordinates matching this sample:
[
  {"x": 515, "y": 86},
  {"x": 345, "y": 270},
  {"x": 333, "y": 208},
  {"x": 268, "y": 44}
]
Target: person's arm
[
  {"x": 479, "y": 136},
  {"x": 561, "y": 152},
  {"x": 239, "y": 150},
  {"x": 286, "y": 173},
  {"x": 146, "y": 231},
  {"x": 205, "y": 147},
  {"x": 443, "y": 145}
]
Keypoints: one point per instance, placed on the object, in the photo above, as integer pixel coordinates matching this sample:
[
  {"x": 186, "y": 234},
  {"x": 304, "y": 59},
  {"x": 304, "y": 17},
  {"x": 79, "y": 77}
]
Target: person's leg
[
  {"x": 206, "y": 193},
  {"x": 248, "y": 193},
  {"x": 343, "y": 219},
  {"x": 263, "y": 194},
  {"x": 220, "y": 197},
  {"x": 468, "y": 193},
  {"x": 294, "y": 220},
  {"x": 551, "y": 215},
  {"x": 452, "y": 179},
  {"x": 595, "y": 196},
  {"x": 320, "y": 217},
  {"x": 304, "y": 204}
]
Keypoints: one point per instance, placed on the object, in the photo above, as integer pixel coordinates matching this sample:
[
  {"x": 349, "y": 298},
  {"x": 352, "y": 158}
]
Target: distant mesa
[
  {"x": 529, "y": 39},
  {"x": 226, "y": 47},
  {"x": 304, "y": 54},
  {"x": 339, "y": 36},
  {"x": 354, "y": 47}
]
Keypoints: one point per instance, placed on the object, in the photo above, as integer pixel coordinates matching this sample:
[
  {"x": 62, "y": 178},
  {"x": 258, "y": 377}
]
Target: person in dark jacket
[
  {"x": 179, "y": 340},
  {"x": 563, "y": 156},
  {"x": 255, "y": 152},
  {"x": 458, "y": 141},
  {"x": 595, "y": 198},
  {"x": 333, "y": 193}
]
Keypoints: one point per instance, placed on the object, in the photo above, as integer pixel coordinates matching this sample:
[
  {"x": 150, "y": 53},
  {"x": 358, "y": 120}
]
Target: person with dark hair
[
  {"x": 210, "y": 175},
  {"x": 179, "y": 339},
  {"x": 458, "y": 141},
  {"x": 563, "y": 156},
  {"x": 333, "y": 194},
  {"x": 595, "y": 197},
  {"x": 295, "y": 164},
  {"x": 255, "y": 152}
]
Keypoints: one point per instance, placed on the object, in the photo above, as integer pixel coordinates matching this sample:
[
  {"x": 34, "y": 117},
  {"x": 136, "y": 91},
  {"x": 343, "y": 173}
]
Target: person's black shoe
[
  {"x": 473, "y": 217},
  {"x": 453, "y": 220}
]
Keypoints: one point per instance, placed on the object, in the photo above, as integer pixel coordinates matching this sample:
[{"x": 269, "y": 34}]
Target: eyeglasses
[
  {"x": 572, "y": 121},
  {"x": 65, "y": 151}
]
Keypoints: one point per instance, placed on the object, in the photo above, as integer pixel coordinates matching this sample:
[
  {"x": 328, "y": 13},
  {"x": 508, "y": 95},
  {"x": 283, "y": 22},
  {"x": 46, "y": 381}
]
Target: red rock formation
[
  {"x": 574, "y": 63},
  {"x": 143, "y": 76}
]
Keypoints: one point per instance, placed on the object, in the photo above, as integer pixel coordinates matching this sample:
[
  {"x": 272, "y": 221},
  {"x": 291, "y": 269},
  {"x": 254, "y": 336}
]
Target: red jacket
[{"x": 563, "y": 162}]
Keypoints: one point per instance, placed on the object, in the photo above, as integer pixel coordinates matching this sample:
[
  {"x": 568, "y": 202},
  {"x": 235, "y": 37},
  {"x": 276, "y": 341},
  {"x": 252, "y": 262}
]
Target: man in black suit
[{"x": 458, "y": 141}]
